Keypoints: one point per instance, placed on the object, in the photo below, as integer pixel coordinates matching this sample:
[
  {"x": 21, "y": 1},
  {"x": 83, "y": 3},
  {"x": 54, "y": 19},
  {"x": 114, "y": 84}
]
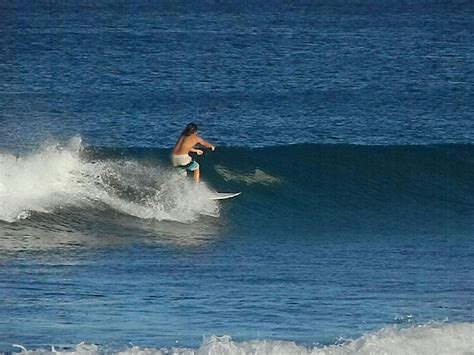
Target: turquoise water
[{"x": 346, "y": 126}]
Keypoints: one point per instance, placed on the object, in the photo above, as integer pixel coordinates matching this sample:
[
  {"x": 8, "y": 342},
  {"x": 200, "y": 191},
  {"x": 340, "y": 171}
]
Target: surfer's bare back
[{"x": 186, "y": 144}]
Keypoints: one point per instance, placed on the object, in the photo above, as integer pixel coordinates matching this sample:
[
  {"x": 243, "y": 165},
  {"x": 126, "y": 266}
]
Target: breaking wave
[
  {"x": 60, "y": 175},
  {"x": 317, "y": 187},
  {"x": 418, "y": 340}
]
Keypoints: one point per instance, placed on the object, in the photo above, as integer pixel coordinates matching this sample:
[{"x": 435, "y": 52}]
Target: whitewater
[
  {"x": 55, "y": 176},
  {"x": 427, "y": 339}
]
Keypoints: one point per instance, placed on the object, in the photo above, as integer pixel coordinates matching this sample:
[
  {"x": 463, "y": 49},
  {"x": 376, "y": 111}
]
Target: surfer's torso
[{"x": 185, "y": 144}]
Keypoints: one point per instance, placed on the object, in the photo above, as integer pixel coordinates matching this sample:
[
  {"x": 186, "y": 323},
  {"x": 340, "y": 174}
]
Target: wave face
[
  {"x": 327, "y": 188},
  {"x": 428, "y": 339}
]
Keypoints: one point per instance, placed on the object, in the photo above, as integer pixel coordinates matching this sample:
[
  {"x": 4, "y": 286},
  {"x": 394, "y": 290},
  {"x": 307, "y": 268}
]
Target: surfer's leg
[
  {"x": 194, "y": 167},
  {"x": 196, "y": 175}
]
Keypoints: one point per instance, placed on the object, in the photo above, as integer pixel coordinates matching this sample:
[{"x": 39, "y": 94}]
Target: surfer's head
[{"x": 190, "y": 129}]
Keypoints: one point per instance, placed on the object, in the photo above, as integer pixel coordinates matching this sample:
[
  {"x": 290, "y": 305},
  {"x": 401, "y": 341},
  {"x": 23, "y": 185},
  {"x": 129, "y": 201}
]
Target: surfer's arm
[
  {"x": 205, "y": 144},
  {"x": 197, "y": 151}
]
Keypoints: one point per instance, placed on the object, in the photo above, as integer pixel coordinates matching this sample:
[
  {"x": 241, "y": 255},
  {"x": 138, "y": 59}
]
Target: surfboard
[{"x": 224, "y": 195}]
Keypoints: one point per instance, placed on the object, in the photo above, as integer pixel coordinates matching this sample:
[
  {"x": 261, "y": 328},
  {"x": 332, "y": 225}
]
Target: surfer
[{"x": 186, "y": 144}]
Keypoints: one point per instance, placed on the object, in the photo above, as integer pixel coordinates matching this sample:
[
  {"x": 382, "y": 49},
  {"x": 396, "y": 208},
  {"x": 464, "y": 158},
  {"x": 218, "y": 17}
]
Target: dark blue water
[
  {"x": 250, "y": 74},
  {"x": 347, "y": 126}
]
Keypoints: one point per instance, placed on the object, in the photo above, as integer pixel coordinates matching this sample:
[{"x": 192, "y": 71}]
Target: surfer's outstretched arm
[{"x": 205, "y": 144}]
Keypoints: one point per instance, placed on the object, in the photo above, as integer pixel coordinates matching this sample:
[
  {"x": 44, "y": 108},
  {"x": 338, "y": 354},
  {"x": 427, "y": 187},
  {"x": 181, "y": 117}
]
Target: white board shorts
[{"x": 184, "y": 161}]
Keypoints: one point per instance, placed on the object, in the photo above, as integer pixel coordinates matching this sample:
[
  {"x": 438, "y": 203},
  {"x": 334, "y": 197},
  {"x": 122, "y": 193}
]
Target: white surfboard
[{"x": 224, "y": 195}]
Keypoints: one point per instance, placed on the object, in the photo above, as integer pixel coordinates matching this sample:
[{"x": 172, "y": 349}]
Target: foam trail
[
  {"x": 257, "y": 177},
  {"x": 432, "y": 339},
  {"x": 58, "y": 175}
]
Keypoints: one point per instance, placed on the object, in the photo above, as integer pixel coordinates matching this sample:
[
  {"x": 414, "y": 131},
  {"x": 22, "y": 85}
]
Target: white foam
[
  {"x": 257, "y": 177},
  {"x": 36, "y": 182},
  {"x": 433, "y": 339},
  {"x": 55, "y": 176}
]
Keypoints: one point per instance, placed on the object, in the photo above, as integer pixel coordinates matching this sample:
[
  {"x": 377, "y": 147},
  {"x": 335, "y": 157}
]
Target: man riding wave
[{"x": 186, "y": 144}]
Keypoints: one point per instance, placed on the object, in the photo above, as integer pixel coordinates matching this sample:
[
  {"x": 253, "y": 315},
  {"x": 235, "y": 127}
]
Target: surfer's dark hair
[{"x": 190, "y": 129}]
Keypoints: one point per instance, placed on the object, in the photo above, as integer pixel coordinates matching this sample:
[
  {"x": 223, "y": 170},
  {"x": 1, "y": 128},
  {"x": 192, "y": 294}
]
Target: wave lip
[{"x": 430, "y": 339}]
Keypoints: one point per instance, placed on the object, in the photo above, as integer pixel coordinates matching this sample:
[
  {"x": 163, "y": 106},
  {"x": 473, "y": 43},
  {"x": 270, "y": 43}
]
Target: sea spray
[{"x": 39, "y": 181}]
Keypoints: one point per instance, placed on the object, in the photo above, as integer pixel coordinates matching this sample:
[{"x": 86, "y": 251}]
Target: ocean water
[{"x": 347, "y": 126}]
